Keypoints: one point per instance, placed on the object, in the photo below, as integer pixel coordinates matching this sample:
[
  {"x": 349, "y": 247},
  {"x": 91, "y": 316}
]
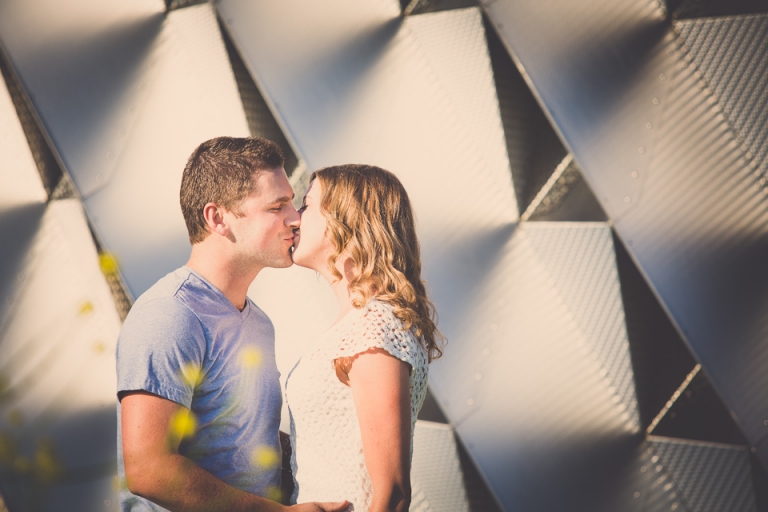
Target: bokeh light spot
[
  {"x": 85, "y": 308},
  {"x": 15, "y": 418},
  {"x": 108, "y": 264},
  {"x": 250, "y": 358},
  {"x": 274, "y": 494},
  {"x": 183, "y": 424},
  {"x": 265, "y": 457},
  {"x": 192, "y": 374}
]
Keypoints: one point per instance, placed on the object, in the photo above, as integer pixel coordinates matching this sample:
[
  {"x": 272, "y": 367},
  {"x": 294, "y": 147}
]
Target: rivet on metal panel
[
  {"x": 633, "y": 174},
  {"x": 674, "y": 506},
  {"x": 643, "y": 469},
  {"x": 627, "y": 199},
  {"x": 655, "y": 459},
  {"x": 656, "y": 101},
  {"x": 470, "y": 402},
  {"x": 662, "y": 76},
  {"x": 478, "y": 376},
  {"x": 659, "y": 468},
  {"x": 636, "y": 495},
  {"x": 649, "y": 125},
  {"x": 641, "y": 150}
]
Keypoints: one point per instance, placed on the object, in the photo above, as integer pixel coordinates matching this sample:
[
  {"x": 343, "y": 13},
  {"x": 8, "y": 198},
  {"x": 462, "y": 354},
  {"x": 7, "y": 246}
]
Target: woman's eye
[{"x": 303, "y": 207}]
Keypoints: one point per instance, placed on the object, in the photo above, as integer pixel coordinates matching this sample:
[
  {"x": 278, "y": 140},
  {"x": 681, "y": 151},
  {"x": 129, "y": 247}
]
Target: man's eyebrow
[{"x": 284, "y": 199}]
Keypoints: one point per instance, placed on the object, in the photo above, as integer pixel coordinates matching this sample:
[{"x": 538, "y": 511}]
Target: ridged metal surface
[
  {"x": 658, "y": 150},
  {"x": 709, "y": 478},
  {"x": 436, "y": 477},
  {"x": 732, "y": 55},
  {"x": 533, "y": 390},
  {"x": 533, "y": 147},
  {"x": 58, "y": 327},
  {"x": 261, "y": 122}
]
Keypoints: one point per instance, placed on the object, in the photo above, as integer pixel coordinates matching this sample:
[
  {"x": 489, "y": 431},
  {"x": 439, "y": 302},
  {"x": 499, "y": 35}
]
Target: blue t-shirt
[{"x": 184, "y": 341}]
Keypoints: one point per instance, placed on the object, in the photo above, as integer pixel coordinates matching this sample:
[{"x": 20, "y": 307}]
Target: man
[{"x": 196, "y": 377}]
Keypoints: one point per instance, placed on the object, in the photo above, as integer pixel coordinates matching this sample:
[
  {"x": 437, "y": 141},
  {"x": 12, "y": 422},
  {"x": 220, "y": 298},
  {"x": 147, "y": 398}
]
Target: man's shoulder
[{"x": 161, "y": 302}]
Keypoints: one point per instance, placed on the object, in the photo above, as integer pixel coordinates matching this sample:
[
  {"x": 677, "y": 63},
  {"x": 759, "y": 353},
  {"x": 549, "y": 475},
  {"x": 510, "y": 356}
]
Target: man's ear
[{"x": 214, "y": 219}]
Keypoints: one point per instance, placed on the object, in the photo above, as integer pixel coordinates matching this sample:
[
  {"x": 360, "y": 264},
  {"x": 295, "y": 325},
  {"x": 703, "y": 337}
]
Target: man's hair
[{"x": 223, "y": 171}]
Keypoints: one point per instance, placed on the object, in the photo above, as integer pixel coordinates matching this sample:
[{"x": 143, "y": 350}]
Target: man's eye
[{"x": 276, "y": 208}]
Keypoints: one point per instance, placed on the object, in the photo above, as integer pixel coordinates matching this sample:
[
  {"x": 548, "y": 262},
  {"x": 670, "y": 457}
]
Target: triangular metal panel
[
  {"x": 58, "y": 330},
  {"x": 656, "y": 147}
]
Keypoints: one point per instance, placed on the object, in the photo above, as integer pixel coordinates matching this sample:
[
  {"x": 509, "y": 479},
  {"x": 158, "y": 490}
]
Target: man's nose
[{"x": 294, "y": 217}]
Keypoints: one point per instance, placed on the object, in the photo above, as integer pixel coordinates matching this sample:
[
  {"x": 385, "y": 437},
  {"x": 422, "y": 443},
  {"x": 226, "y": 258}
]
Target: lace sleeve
[{"x": 376, "y": 326}]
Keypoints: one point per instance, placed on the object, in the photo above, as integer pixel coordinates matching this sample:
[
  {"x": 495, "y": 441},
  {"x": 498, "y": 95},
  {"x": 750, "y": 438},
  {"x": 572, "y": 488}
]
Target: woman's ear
[{"x": 214, "y": 219}]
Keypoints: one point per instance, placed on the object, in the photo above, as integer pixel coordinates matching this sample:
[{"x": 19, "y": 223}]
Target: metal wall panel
[
  {"x": 125, "y": 96},
  {"x": 534, "y": 391},
  {"x": 57, "y": 340},
  {"x": 436, "y": 478},
  {"x": 732, "y": 55},
  {"x": 656, "y": 147},
  {"x": 708, "y": 477}
]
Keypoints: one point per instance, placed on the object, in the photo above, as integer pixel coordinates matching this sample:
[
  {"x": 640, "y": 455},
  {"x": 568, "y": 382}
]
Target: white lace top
[{"x": 327, "y": 459}]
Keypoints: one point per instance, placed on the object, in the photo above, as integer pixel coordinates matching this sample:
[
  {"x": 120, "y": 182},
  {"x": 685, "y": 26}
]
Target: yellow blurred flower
[
  {"x": 265, "y": 457},
  {"x": 183, "y": 424},
  {"x": 7, "y": 449},
  {"x": 108, "y": 264},
  {"x": 274, "y": 493},
  {"x": 14, "y": 418},
  {"x": 192, "y": 374},
  {"x": 85, "y": 308},
  {"x": 250, "y": 357},
  {"x": 47, "y": 467}
]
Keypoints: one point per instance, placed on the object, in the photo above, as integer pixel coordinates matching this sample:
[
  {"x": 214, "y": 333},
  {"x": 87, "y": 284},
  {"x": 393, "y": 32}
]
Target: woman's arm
[{"x": 381, "y": 391}]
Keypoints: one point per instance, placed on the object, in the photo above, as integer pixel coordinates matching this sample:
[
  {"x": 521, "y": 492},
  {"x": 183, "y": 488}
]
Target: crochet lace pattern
[{"x": 327, "y": 460}]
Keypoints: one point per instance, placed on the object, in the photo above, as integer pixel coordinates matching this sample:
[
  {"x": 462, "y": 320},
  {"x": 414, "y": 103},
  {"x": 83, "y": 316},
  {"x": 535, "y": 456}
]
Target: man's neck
[{"x": 229, "y": 276}]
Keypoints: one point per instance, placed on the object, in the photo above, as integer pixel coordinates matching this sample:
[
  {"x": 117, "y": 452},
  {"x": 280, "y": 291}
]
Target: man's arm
[{"x": 156, "y": 471}]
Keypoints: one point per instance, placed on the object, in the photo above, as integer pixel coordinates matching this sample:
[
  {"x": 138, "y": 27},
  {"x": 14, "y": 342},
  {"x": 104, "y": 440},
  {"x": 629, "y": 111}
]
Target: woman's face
[{"x": 311, "y": 248}]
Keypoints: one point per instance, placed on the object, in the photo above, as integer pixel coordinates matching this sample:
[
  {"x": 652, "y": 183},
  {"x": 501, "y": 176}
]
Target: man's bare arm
[{"x": 156, "y": 471}]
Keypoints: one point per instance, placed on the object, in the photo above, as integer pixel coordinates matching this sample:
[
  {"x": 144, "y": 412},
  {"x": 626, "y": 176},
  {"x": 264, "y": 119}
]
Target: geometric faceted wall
[{"x": 589, "y": 180}]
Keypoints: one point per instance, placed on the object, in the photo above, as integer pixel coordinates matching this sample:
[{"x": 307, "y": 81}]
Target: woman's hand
[{"x": 381, "y": 391}]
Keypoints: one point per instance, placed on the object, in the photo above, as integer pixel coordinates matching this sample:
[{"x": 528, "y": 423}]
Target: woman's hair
[{"x": 370, "y": 219}]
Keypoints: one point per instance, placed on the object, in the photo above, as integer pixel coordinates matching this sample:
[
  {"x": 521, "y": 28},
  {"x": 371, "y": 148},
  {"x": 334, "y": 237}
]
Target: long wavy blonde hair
[{"x": 370, "y": 219}]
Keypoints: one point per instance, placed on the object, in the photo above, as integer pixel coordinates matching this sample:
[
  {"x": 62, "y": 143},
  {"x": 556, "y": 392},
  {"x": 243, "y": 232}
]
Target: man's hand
[{"x": 320, "y": 507}]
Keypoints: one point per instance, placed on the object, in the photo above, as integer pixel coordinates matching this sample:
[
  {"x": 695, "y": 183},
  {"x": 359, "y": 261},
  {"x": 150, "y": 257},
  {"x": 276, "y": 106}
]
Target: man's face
[{"x": 263, "y": 230}]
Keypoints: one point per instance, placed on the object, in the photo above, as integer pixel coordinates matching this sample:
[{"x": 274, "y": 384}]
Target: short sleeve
[
  {"x": 161, "y": 350},
  {"x": 376, "y": 326}
]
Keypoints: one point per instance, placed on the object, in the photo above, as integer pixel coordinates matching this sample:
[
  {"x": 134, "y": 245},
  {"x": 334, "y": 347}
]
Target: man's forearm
[{"x": 178, "y": 484}]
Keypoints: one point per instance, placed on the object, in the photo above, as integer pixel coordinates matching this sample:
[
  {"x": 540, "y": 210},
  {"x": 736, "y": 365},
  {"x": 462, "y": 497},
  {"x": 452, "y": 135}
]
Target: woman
[{"x": 354, "y": 397}]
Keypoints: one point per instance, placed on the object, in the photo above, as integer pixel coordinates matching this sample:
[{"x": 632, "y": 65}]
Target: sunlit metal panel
[
  {"x": 436, "y": 477},
  {"x": 669, "y": 170},
  {"x": 732, "y": 55},
  {"x": 125, "y": 100},
  {"x": 57, "y": 339},
  {"x": 534, "y": 385}
]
